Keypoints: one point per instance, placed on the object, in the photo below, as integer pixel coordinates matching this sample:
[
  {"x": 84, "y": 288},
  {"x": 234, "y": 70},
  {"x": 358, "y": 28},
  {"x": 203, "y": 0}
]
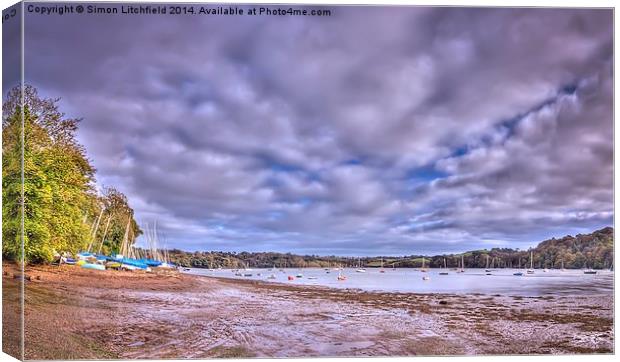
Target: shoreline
[
  {"x": 285, "y": 285},
  {"x": 74, "y": 313}
]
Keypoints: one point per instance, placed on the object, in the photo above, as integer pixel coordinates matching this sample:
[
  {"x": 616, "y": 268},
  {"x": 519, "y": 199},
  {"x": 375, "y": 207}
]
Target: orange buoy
[{"x": 290, "y": 277}]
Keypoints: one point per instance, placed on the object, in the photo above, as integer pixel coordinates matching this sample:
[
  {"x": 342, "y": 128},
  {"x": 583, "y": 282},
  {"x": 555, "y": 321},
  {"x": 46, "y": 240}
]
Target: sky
[{"x": 374, "y": 131}]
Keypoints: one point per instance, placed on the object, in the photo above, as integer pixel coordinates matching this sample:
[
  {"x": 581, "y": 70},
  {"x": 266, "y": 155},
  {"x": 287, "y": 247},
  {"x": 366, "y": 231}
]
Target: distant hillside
[{"x": 574, "y": 252}]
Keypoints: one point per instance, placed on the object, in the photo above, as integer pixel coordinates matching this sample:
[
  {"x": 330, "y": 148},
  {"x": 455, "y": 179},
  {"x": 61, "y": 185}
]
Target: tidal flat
[{"x": 74, "y": 313}]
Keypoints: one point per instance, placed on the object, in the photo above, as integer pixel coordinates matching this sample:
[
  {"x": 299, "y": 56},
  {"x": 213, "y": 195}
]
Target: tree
[{"x": 59, "y": 196}]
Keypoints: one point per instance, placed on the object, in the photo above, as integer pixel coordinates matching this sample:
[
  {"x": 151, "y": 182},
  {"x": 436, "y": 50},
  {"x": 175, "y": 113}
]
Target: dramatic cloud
[{"x": 392, "y": 130}]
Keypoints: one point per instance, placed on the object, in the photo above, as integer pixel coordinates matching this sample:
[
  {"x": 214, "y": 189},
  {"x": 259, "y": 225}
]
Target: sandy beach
[{"x": 74, "y": 313}]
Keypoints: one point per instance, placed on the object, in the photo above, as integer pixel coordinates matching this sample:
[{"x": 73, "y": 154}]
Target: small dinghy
[{"x": 93, "y": 266}]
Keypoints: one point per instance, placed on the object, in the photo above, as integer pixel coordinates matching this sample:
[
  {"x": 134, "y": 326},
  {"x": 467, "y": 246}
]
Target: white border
[{"x": 485, "y": 3}]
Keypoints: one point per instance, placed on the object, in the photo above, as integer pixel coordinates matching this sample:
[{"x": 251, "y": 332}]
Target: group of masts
[{"x": 127, "y": 248}]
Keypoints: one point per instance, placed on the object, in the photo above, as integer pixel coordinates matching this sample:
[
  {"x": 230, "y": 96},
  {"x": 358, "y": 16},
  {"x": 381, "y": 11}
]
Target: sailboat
[
  {"x": 423, "y": 269},
  {"x": 562, "y": 265},
  {"x": 382, "y": 270},
  {"x": 426, "y": 277},
  {"x": 340, "y": 276},
  {"x": 444, "y": 267},
  {"x": 589, "y": 271},
  {"x": 359, "y": 266},
  {"x": 462, "y": 270},
  {"x": 519, "y": 273},
  {"x": 487, "y": 270},
  {"x": 531, "y": 269}
]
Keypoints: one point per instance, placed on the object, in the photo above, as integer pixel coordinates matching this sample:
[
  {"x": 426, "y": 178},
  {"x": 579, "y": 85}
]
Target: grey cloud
[{"x": 397, "y": 129}]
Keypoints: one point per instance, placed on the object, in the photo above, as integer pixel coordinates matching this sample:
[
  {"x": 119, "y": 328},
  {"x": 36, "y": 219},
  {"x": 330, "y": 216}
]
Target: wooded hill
[{"x": 593, "y": 250}]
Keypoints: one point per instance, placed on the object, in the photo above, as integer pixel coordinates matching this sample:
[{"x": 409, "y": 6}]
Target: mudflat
[{"x": 75, "y": 313}]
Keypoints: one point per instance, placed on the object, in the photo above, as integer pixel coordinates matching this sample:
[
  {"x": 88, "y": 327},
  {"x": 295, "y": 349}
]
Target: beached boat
[
  {"x": 66, "y": 260},
  {"x": 93, "y": 266}
]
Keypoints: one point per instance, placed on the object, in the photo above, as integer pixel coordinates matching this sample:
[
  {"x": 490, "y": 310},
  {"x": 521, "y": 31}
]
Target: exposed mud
[{"x": 76, "y": 313}]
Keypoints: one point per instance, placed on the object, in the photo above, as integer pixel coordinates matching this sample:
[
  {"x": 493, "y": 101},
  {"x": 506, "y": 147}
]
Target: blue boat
[
  {"x": 133, "y": 262},
  {"x": 150, "y": 262}
]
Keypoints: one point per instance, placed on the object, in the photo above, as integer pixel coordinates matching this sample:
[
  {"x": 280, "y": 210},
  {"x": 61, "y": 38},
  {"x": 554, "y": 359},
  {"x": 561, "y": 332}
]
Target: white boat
[
  {"x": 531, "y": 269},
  {"x": 423, "y": 269},
  {"x": 340, "y": 276},
  {"x": 462, "y": 270},
  {"x": 445, "y": 267},
  {"x": 359, "y": 267}
]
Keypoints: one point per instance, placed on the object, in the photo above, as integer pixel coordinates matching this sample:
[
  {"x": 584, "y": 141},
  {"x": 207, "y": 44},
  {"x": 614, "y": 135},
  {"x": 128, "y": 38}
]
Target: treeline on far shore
[{"x": 593, "y": 250}]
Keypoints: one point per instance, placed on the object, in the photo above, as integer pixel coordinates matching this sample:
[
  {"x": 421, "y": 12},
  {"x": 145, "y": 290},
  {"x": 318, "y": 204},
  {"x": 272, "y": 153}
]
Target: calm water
[{"x": 502, "y": 281}]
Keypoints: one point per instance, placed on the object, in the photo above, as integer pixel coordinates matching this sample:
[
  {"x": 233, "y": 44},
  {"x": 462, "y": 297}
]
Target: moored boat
[{"x": 531, "y": 269}]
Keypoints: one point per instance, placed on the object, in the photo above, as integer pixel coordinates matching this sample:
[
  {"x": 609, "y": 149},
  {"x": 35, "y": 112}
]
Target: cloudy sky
[{"x": 372, "y": 131}]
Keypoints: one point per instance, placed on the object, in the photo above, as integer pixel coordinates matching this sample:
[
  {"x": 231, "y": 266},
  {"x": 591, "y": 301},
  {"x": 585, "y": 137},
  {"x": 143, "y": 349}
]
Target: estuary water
[{"x": 500, "y": 281}]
